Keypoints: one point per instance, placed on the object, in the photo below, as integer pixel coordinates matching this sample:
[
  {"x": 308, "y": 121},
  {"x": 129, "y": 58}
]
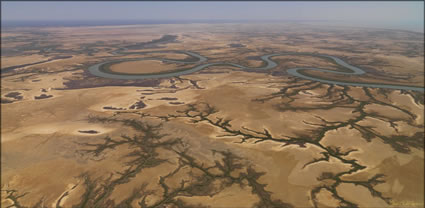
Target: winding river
[{"x": 101, "y": 71}]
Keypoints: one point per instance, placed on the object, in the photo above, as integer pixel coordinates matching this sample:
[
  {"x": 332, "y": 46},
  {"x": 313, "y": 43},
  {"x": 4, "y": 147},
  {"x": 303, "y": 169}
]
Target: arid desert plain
[{"x": 113, "y": 116}]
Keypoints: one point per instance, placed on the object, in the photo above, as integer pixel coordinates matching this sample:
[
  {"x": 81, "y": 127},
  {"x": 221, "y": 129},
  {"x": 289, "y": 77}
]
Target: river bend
[{"x": 98, "y": 70}]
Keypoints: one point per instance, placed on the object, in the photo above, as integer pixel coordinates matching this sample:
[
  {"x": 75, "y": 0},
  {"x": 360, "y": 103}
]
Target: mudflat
[{"x": 219, "y": 137}]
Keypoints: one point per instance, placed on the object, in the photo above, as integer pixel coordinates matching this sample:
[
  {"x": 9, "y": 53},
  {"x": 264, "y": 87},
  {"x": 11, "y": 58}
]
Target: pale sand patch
[
  {"x": 66, "y": 114},
  {"x": 325, "y": 198},
  {"x": 264, "y": 156},
  {"x": 74, "y": 195},
  {"x": 379, "y": 126},
  {"x": 153, "y": 101},
  {"x": 334, "y": 114},
  {"x": 284, "y": 174},
  {"x": 61, "y": 64},
  {"x": 30, "y": 89},
  {"x": 65, "y": 195},
  {"x": 148, "y": 174},
  {"x": 46, "y": 81},
  {"x": 358, "y": 93},
  {"x": 46, "y": 168},
  {"x": 124, "y": 97},
  {"x": 407, "y": 129},
  {"x": 209, "y": 82},
  {"x": 386, "y": 111},
  {"x": 58, "y": 127},
  {"x": 201, "y": 152},
  {"x": 362, "y": 196},
  {"x": 404, "y": 101},
  {"x": 397, "y": 187},
  {"x": 380, "y": 158},
  {"x": 118, "y": 97},
  {"x": 229, "y": 197},
  {"x": 53, "y": 173},
  {"x": 20, "y": 60},
  {"x": 254, "y": 63},
  {"x": 307, "y": 176},
  {"x": 141, "y": 67},
  {"x": 376, "y": 150},
  {"x": 405, "y": 180},
  {"x": 257, "y": 115},
  {"x": 234, "y": 103},
  {"x": 409, "y": 64},
  {"x": 6, "y": 202},
  {"x": 307, "y": 100},
  {"x": 278, "y": 163}
]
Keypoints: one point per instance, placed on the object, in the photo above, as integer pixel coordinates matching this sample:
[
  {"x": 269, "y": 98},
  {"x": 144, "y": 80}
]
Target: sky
[{"x": 368, "y": 14}]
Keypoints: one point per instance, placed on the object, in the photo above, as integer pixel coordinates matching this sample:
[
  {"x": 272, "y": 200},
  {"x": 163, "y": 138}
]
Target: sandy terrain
[
  {"x": 142, "y": 67},
  {"x": 21, "y": 60},
  {"x": 221, "y": 137}
]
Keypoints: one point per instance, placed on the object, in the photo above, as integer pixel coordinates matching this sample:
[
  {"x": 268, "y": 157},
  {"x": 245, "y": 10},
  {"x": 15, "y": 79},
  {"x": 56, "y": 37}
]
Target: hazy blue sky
[{"x": 360, "y": 13}]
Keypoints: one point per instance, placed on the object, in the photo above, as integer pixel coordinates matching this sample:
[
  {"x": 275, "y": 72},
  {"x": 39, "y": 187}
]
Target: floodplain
[{"x": 222, "y": 136}]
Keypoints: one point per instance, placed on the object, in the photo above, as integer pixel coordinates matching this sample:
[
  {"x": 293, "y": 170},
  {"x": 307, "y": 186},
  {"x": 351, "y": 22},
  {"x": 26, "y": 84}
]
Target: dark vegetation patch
[
  {"x": 277, "y": 73},
  {"x": 168, "y": 98},
  {"x": 138, "y": 105},
  {"x": 153, "y": 43},
  {"x": 11, "y": 68},
  {"x": 42, "y": 96},
  {"x": 372, "y": 71},
  {"x": 209, "y": 180},
  {"x": 337, "y": 97},
  {"x": 236, "y": 45},
  {"x": 341, "y": 49},
  {"x": 35, "y": 72},
  {"x": 176, "y": 103},
  {"x": 113, "y": 108},
  {"x": 195, "y": 84},
  {"x": 14, "y": 95},
  {"x": 88, "y": 131},
  {"x": 87, "y": 80}
]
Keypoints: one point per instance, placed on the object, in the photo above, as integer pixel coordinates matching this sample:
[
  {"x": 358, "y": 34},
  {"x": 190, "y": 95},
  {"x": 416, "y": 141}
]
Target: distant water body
[
  {"x": 79, "y": 23},
  {"x": 412, "y": 26},
  {"x": 409, "y": 26}
]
